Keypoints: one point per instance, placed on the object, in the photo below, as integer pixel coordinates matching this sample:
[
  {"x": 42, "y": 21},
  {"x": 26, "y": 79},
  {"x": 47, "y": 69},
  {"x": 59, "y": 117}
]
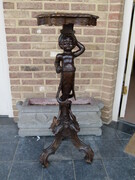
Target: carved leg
[
  {"x": 82, "y": 147},
  {"x": 50, "y": 150}
]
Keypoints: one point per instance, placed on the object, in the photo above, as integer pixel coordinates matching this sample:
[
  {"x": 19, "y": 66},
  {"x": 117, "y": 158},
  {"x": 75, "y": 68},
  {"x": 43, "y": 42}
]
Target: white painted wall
[
  {"x": 122, "y": 57},
  {"x": 5, "y": 92}
]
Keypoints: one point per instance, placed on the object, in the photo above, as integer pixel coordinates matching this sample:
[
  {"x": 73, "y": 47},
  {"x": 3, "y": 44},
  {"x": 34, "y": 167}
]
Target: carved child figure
[{"x": 64, "y": 64}]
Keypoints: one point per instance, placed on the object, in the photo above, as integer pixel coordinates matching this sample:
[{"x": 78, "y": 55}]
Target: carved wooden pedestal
[{"x": 65, "y": 125}]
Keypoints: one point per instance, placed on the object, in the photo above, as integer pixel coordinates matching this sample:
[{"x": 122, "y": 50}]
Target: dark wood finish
[
  {"x": 59, "y": 19},
  {"x": 66, "y": 125}
]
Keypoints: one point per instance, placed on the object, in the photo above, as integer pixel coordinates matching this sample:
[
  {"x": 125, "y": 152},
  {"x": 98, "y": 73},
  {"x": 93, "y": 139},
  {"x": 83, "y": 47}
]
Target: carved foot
[
  {"x": 50, "y": 150},
  {"x": 89, "y": 154},
  {"x": 44, "y": 159}
]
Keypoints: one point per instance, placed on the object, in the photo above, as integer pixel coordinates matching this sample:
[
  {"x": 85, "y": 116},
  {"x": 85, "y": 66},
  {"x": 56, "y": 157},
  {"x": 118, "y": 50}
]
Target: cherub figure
[{"x": 64, "y": 64}]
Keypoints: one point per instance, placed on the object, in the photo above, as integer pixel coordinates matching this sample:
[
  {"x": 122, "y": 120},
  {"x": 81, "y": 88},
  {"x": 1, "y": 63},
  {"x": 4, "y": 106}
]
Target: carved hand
[{"x": 59, "y": 69}]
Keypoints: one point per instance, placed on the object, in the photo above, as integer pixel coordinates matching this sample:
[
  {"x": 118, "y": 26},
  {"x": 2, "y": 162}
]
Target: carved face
[{"x": 67, "y": 43}]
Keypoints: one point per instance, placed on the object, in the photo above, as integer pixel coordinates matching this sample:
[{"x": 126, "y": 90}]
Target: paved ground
[{"x": 19, "y": 157}]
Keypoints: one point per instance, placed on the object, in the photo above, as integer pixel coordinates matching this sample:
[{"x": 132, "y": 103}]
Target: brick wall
[{"x": 30, "y": 49}]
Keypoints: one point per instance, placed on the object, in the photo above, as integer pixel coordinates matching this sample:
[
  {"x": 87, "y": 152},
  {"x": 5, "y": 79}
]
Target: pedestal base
[
  {"x": 76, "y": 141},
  {"x": 65, "y": 126}
]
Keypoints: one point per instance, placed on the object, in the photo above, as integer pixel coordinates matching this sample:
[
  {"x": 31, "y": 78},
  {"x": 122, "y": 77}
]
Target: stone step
[
  {"x": 42, "y": 120},
  {"x": 47, "y": 132},
  {"x": 35, "y": 120}
]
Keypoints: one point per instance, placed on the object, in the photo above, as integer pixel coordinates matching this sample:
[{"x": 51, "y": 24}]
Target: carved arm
[{"x": 80, "y": 50}]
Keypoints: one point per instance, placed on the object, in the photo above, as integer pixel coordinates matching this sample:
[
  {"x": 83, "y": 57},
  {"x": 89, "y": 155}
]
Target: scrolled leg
[
  {"x": 89, "y": 154},
  {"x": 50, "y": 150}
]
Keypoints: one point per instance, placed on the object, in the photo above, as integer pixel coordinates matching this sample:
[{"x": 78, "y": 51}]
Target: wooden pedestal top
[{"x": 58, "y": 19}]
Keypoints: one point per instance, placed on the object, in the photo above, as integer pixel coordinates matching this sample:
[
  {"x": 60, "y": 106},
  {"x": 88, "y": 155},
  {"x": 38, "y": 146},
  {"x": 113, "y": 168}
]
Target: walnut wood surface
[{"x": 59, "y": 19}]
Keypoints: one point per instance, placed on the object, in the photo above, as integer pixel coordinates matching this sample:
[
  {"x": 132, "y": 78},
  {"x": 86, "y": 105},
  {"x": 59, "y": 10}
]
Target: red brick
[
  {"x": 19, "y": 61},
  {"x": 87, "y": 54},
  {"x": 13, "y": 54},
  {"x": 110, "y": 62},
  {"x": 11, "y": 38},
  {"x": 16, "y": 95},
  {"x": 34, "y": 14},
  {"x": 18, "y": 46},
  {"x": 14, "y": 68},
  {"x": 85, "y": 39},
  {"x": 30, "y": 38},
  {"x": 74, "y": 0},
  {"x": 31, "y": 53},
  {"x": 52, "y": 82},
  {"x": 44, "y": 31},
  {"x": 111, "y": 55},
  {"x": 17, "y": 31},
  {"x": 94, "y": 46},
  {"x": 47, "y": 54},
  {"x": 94, "y": 31},
  {"x": 97, "y": 68},
  {"x": 98, "y": 54},
  {"x": 77, "y": 75},
  {"x": 102, "y": 7},
  {"x": 33, "y": 82},
  {"x": 20, "y": 75},
  {"x": 31, "y": 68},
  {"x": 108, "y": 82},
  {"x": 97, "y": 81},
  {"x": 50, "y": 95},
  {"x": 56, "y": 6},
  {"x": 82, "y": 81},
  {"x": 51, "y": 38},
  {"x": 83, "y": 7},
  {"x": 76, "y": 88},
  {"x": 51, "y": 88},
  {"x": 91, "y": 75},
  {"x": 29, "y": 5},
  {"x": 116, "y": 7},
  {"x": 114, "y": 32},
  {"x": 101, "y": 24},
  {"x": 96, "y": 94},
  {"x": 114, "y": 40},
  {"x": 33, "y": 95},
  {"x": 100, "y": 40},
  {"x": 91, "y": 61},
  {"x": 83, "y": 68},
  {"x": 45, "y": 75},
  {"x": 108, "y": 76},
  {"x": 115, "y": 1},
  {"x": 106, "y": 95},
  {"x": 10, "y": 22},
  {"x": 114, "y": 24},
  {"x": 15, "y": 81},
  {"x": 109, "y": 69},
  {"x": 21, "y": 88},
  {"x": 50, "y": 68},
  {"x": 43, "y": 61},
  {"x": 114, "y": 16},
  {"x": 27, "y": 22},
  {"x": 16, "y": 14},
  {"x": 83, "y": 94},
  {"x": 8, "y": 5},
  {"x": 78, "y": 31},
  {"x": 15, "y": 114},
  {"x": 112, "y": 47},
  {"x": 44, "y": 45}
]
